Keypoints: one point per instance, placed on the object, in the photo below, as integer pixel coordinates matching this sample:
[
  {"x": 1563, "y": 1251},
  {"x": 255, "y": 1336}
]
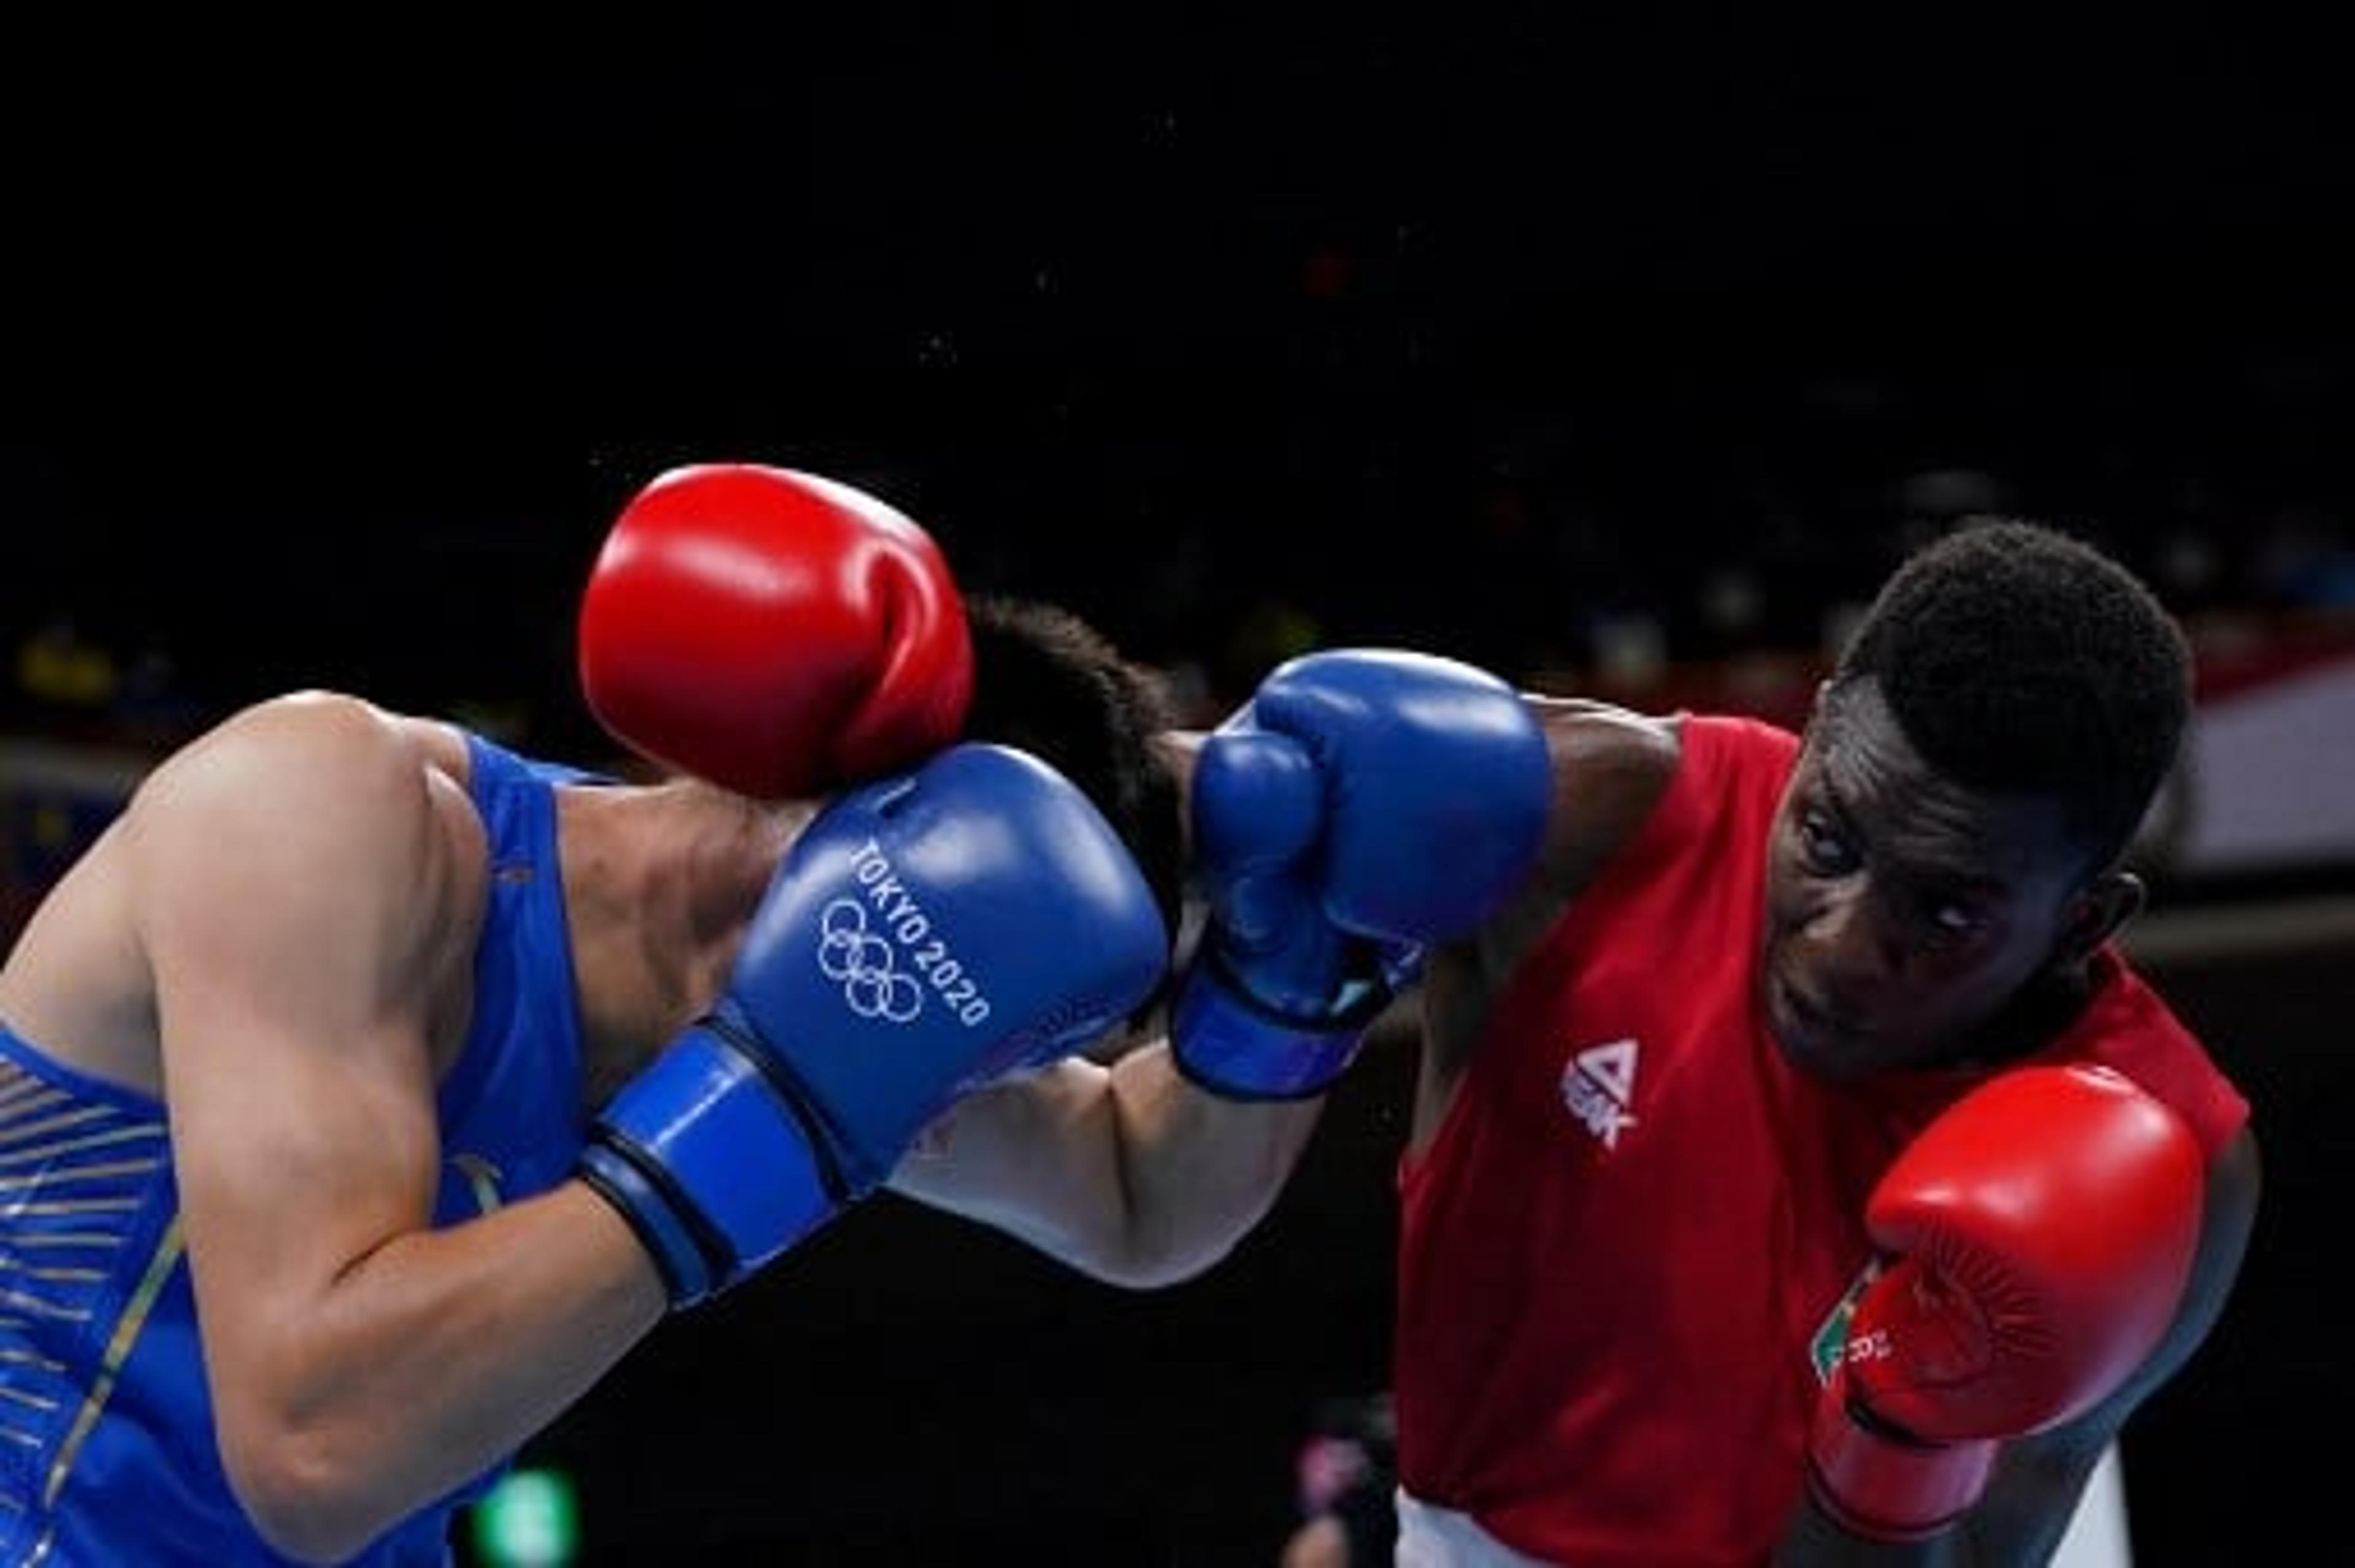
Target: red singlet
[{"x": 1619, "y": 1252}]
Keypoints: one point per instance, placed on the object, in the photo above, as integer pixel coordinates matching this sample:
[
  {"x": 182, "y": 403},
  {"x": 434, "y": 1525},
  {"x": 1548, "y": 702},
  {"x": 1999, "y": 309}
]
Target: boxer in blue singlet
[
  {"x": 103, "y": 1407},
  {"x": 367, "y": 1090}
]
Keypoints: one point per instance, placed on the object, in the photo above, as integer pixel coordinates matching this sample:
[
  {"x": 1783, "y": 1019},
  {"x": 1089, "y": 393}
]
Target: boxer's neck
[{"x": 659, "y": 882}]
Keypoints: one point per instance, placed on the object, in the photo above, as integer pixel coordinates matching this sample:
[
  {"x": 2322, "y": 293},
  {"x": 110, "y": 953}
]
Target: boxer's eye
[{"x": 1824, "y": 847}]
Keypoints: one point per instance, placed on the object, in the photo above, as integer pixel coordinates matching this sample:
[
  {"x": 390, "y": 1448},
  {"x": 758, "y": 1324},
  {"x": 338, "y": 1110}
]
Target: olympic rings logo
[{"x": 872, "y": 984}]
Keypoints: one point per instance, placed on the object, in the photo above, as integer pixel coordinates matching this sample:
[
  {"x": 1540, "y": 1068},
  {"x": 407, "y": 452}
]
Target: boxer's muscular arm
[
  {"x": 1611, "y": 766},
  {"x": 1126, "y": 1172},
  {"x": 1132, "y": 1174},
  {"x": 302, "y": 897}
]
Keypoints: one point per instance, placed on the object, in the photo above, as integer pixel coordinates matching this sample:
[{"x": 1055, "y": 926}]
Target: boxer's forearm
[
  {"x": 1127, "y": 1173},
  {"x": 1199, "y": 1172},
  {"x": 434, "y": 1357}
]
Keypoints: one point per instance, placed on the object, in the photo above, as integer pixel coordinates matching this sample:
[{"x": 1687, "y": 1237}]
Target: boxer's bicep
[
  {"x": 1611, "y": 766},
  {"x": 287, "y": 885}
]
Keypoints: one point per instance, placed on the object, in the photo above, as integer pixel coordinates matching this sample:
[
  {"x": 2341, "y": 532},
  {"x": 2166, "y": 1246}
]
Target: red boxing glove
[
  {"x": 2043, "y": 1231},
  {"x": 772, "y": 631}
]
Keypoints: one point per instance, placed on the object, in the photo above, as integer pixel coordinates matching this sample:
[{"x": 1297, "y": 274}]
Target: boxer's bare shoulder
[
  {"x": 1611, "y": 766},
  {"x": 295, "y": 815}
]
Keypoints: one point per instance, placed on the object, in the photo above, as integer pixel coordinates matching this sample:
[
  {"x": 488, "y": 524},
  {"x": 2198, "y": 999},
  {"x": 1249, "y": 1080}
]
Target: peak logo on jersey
[{"x": 1598, "y": 1085}]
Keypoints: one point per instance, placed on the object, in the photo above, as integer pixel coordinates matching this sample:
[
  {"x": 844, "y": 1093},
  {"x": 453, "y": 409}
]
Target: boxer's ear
[{"x": 2099, "y": 913}]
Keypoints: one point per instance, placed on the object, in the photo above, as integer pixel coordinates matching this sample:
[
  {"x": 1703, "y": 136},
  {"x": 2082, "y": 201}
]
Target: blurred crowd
[{"x": 1612, "y": 539}]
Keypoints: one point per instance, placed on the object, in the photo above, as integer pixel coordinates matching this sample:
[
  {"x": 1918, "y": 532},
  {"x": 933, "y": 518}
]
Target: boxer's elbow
[
  {"x": 1174, "y": 1231},
  {"x": 1105, "y": 1233},
  {"x": 307, "y": 1493}
]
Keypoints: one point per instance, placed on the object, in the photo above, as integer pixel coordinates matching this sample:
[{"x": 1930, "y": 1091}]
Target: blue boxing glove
[
  {"x": 924, "y": 935},
  {"x": 1363, "y": 805}
]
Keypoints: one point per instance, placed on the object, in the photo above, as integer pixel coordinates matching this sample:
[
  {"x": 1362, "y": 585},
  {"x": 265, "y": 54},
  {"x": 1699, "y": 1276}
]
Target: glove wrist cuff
[
  {"x": 1879, "y": 1484},
  {"x": 1226, "y": 1042},
  {"x": 689, "y": 1260},
  {"x": 715, "y": 1172}
]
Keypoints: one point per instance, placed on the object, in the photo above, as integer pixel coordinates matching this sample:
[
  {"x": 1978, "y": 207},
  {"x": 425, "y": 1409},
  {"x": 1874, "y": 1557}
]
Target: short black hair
[
  {"x": 2017, "y": 658},
  {"x": 1047, "y": 682}
]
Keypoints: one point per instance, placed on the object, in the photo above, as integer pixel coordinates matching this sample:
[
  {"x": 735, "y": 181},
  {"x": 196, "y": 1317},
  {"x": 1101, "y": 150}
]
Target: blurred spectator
[
  {"x": 1347, "y": 1476},
  {"x": 58, "y": 666}
]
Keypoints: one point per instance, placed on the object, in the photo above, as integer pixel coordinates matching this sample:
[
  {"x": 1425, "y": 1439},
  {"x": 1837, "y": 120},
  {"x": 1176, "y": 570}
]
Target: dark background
[
  {"x": 1474, "y": 329},
  {"x": 330, "y": 348}
]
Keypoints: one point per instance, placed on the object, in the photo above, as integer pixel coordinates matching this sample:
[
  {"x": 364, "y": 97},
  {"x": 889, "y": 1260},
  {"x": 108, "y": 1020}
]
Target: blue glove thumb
[{"x": 1259, "y": 817}]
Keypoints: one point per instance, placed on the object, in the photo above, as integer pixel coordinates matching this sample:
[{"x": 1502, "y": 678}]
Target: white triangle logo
[
  {"x": 1613, "y": 1067},
  {"x": 1599, "y": 1086}
]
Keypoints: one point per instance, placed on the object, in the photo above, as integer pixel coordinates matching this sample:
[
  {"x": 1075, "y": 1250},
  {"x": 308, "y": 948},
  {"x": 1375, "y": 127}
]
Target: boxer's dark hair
[
  {"x": 1046, "y": 681},
  {"x": 2018, "y": 659}
]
